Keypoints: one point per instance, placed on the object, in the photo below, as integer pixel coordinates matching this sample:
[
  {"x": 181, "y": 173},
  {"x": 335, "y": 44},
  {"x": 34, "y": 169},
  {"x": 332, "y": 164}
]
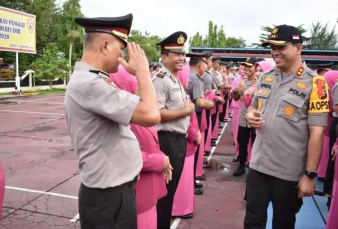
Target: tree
[
  {"x": 221, "y": 38},
  {"x": 321, "y": 38},
  {"x": 267, "y": 31},
  {"x": 232, "y": 42},
  {"x": 148, "y": 44},
  {"x": 50, "y": 65},
  {"x": 71, "y": 33}
]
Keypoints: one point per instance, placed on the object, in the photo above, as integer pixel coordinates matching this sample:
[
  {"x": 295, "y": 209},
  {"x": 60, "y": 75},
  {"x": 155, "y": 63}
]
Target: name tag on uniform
[{"x": 175, "y": 89}]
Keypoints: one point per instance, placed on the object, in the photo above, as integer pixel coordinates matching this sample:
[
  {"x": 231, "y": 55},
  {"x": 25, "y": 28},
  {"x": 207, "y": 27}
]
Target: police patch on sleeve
[{"x": 319, "y": 99}]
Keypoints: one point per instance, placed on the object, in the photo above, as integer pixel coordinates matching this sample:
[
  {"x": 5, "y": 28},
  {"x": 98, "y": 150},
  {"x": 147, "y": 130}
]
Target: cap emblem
[{"x": 180, "y": 39}]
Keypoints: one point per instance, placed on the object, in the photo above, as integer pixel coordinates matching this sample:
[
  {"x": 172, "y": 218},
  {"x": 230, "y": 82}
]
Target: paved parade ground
[{"x": 42, "y": 176}]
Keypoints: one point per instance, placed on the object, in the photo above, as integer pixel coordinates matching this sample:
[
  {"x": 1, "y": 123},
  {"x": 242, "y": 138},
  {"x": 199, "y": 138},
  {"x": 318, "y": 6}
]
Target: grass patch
[
  {"x": 42, "y": 92},
  {"x": 54, "y": 91}
]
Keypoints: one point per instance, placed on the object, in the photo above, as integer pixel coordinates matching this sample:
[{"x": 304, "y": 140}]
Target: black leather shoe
[
  {"x": 205, "y": 162},
  {"x": 214, "y": 139},
  {"x": 226, "y": 120},
  {"x": 198, "y": 185},
  {"x": 234, "y": 159},
  {"x": 200, "y": 178},
  {"x": 187, "y": 216},
  {"x": 213, "y": 144},
  {"x": 220, "y": 126},
  {"x": 206, "y": 166},
  {"x": 198, "y": 191},
  {"x": 240, "y": 171},
  {"x": 207, "y": 153}
]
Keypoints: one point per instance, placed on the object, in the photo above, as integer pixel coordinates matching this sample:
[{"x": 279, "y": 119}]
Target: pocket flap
[{"x": 294, "y": 100}]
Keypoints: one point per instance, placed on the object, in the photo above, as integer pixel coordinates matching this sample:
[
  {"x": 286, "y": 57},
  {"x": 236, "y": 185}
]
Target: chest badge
[
  {"x": 288, "y": 111},
  {"x": 301, "y": 85},
  {"x": 269, "y": 79}
]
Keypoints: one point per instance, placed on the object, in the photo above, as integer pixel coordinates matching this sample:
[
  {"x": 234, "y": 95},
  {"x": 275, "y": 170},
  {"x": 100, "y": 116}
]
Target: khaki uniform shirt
[
  {"x": 98, "y": 116},
  {"x": 242, "y": 121},
  {"x": 216, "y": 76},
  {"x": 170, "y": 95},
  {"x": 195, "y": 89},
  {"x": 288, "y": 107},
  {"x": 207, "y": 81}
]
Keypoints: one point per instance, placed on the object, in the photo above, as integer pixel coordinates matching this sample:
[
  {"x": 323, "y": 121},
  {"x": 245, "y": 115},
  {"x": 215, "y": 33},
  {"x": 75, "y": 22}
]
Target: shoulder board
[
  {"x": 312, "y": 73},
  {"x": 161, "y": 74},
  {"x": 99, "y": 71}
]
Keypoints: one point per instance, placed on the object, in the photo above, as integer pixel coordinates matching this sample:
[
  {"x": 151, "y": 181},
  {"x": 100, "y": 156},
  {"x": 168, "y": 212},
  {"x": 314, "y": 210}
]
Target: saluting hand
[
  {"x": 253, "y": 118},
  {"x": 138, "y": 62}
]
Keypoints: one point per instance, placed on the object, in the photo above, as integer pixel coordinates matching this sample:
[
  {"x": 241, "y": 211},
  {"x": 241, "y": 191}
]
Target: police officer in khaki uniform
[
  {"x": 175, "y": 112},
  {"x": 98, "y": 116},
  {"x": 290, "y": 108},
  {"x": 245, "y": 131},
  {"x": 195, "y": 90}
]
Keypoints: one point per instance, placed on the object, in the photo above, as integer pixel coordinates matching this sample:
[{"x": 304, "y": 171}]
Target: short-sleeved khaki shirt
[
  {"x": 195, "y": 89},
  {"x": 170, "y": 95},
  {"x": 288, "y": 107},
  {"x": 242, "y": 122},
  {"x": 98, "y": 116}
]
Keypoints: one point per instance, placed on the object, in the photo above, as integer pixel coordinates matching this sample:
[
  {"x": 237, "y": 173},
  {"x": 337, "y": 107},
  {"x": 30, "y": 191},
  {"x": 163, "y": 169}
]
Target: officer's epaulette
[
  {"x": 311, "y": 73},
  {"x": 161, "y": 74},
  {"x": 99, "y": 71}
]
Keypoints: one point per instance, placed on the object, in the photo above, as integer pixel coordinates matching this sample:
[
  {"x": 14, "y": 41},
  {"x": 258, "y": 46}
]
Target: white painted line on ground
[
  {"x": 219, "y": 138},
  {"x": 30, "y": 112},
  {"x": 41, "y": 192},
  {"x": 75, "y": 218},
  {"x": 47, "y": 98},
  {"x": 20, "y": 101},
  {"x": 175, "y": 223}
]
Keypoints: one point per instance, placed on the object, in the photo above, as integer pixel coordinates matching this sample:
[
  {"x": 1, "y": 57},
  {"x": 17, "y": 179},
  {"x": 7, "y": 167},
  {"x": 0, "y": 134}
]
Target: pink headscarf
[
  {"x": 124, "y": 80},
  {"x": 183, "y": 75},
  {"x": 240, "y": 70},
  {"x": 265, "y": 65},
  {"x": 331, "y": 79}
]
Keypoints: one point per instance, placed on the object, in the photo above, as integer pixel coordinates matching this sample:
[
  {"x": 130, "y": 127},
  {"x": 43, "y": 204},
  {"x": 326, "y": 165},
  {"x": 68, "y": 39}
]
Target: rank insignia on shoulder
[
  {"x": 99, "y": 71},
  {"x": 300, "y": 72},
  {"x": 269, "y": 79},
  {"x": 161, "y": 74},
  {"x": 111, "y": 83}
]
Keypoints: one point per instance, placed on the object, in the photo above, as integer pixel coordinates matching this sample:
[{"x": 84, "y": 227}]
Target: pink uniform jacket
[
  {"x": 151, "y": 185},
  {"x": 193, "y": 131}
]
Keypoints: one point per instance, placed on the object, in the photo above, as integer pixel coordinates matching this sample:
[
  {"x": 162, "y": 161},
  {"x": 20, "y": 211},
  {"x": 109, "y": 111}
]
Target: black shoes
[
  {"x": 198, "y": 185},
  {"x": 240, "y": 171},
  {"x": 206, "y": 166},
  {"x": 234, "y": 159},
  {"x": 200, "y": 178},
  {"x": 198, "y": 191},
  {"x": 207, "y": 153},
  {"x": 187, "y": 216}
]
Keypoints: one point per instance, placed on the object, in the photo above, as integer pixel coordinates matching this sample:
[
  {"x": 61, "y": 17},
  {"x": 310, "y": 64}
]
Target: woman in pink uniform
[{"x": 151, "y": 185}]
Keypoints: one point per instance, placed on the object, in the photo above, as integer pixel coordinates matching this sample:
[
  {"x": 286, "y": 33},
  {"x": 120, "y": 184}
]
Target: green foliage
[
  {"x": 216, "y": 39},
  {"x": 267, "y": 31},
  {"x": 7, "y": 74},
  {"x": 321, "y": 38},
  {"x": 148, "y": 44},
  {"x": 50, "y": 65}
]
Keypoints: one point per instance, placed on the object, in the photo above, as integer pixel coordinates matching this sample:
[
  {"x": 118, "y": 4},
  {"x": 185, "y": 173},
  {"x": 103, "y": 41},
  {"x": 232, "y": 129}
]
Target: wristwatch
[{"x": 311, "y": 174}]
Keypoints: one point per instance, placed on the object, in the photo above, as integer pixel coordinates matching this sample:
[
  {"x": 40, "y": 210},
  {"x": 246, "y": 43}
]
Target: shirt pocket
[
  {"x": 292, "y": 108},
  {"x": 262, "y": 98}
]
